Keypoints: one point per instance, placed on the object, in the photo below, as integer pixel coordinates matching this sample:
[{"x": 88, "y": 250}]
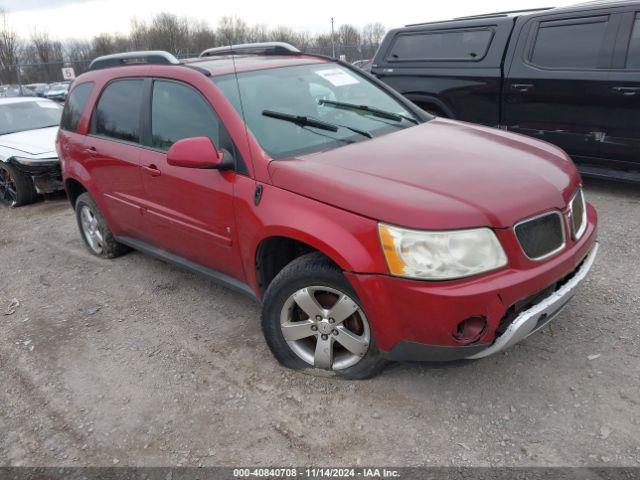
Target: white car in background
[{"x": 28, "y": 160}]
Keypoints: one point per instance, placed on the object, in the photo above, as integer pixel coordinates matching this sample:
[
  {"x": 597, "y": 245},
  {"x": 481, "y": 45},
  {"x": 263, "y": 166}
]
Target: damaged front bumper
[
  {"x": 45, "y": 172},
  {"x": 539, "y": 315}
]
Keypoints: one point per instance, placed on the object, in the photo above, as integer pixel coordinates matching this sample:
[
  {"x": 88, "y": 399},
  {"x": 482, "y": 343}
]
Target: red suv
[{"x": 368, "y": 229}]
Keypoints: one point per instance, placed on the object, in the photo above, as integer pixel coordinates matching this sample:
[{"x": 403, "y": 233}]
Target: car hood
[
  {"x": 442, "y": 174},
  {"x": 31, "y": 142}
]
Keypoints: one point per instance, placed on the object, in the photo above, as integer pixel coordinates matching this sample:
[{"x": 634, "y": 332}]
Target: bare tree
[
  {"x": 169, "y": 32},
  {"x": 232, "y": 30},
  {"x": 372, "y": 35},
  {"x": 47, "y": 53},
  {"x": 8, "y": 51},
  {"x": 179, "y": 35}
]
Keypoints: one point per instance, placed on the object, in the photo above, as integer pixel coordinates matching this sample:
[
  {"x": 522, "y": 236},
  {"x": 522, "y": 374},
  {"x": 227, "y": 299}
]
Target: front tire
[
  {"x": 16, "y": 189},
  {"x": 312, "y": 319},
  {"x": 94, "y": 230}
]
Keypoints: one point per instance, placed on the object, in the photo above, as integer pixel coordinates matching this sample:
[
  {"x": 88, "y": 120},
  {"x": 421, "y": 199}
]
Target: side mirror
[{"x": 198, "y": 152}]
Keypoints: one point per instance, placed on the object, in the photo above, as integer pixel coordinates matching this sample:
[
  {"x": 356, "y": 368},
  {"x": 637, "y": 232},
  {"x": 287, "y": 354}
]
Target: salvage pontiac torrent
[{"x": 368, "y": 229}]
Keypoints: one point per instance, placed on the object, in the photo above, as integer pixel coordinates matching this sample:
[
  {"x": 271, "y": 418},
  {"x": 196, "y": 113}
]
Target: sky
[{"x": 65, "y": 19}]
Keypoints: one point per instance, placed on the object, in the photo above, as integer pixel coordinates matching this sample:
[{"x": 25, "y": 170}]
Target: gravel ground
[{"x": 136, "y": 362}]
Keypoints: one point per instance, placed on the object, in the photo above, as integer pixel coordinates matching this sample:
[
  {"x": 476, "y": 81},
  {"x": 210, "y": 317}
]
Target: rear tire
[
  {"x": 94, "y": 230},
  {"x": 16, "y": 188},
  {"x": 350, "y": 341}
]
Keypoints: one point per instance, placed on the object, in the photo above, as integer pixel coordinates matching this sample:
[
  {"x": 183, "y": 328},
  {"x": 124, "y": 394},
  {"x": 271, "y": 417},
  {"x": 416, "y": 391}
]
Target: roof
[{"x": 594, "y": 4}]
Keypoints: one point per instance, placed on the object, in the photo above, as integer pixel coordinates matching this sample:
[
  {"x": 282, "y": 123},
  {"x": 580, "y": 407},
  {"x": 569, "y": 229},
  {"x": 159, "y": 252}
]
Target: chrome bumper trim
[{"x": 536, "y": 317}]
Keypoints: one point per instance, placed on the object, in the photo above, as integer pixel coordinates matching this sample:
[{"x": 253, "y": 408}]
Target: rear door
[
  {"x": 189, "y": 211},
  {"x": 557, "y": 85},
  {"x": 112, "y": 152},
  {"x": 621, "y": 142}
]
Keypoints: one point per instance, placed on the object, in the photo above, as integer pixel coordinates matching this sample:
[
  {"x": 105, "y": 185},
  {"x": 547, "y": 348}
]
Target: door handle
[
  {"x": 152, "y": 170},
  {"x": 91, "y": 151},
  {"x": 522, "y": 87},
  {"x": 627, "y": 91}
]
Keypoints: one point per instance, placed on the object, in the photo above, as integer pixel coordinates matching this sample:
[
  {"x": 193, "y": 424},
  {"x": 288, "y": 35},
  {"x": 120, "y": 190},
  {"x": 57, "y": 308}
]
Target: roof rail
[
  {"x": 151, "y": 57},
  {"x": 481, "y": 16},
  {"x": 266, "y": 48},
  {"x": 504, "y": 14}
]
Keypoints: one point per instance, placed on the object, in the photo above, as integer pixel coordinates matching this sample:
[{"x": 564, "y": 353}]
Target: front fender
[{"x": 348, "y": 239}]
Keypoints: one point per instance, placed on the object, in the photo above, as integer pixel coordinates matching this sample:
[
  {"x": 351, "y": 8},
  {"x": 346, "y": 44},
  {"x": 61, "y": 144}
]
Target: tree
[
  {"x": 8, "y": 51},
  {"x": 372, "y": 35},
  {"x": 48, "y": 54},
  {"x": 232, "y": 30}
]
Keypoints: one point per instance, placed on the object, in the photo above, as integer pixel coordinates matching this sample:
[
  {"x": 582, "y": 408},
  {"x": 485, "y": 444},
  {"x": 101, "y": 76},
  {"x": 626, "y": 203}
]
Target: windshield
[
  {"x": 22, "y": 116},
  {"x": 321, "y": 93}
]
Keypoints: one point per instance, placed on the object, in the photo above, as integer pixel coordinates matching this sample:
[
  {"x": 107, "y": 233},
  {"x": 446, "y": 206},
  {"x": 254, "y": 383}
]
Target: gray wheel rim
[
  {"x": 91, "y": 229},
  {"x": 324, "y": 336}
]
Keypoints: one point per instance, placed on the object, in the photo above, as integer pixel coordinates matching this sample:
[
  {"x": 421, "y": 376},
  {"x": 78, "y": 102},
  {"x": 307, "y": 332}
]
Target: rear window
[
  {"x": 75, "y": 106},
  {"x": 570, "y": 43},
  {"x": 633, "y": 55},
  {"x": 118, "y": 112},
  {"x": 456, "y": 45}
]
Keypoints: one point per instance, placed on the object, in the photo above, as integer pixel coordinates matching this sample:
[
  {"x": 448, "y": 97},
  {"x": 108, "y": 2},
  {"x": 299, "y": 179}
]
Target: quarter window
[
  {"x": 569, "y": 43},
  {"x": 179, "y": 112},
  {"x": 75, "y": 105},
  {"x": 118, "y": 112},
  {"x": 633, "y": 55},
  {"x": 456, "y": 45}
]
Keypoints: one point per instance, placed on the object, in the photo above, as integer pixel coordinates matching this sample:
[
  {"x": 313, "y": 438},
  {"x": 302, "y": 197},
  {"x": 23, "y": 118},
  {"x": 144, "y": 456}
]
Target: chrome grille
[
  {"x": 541, "y": 236},
  {"x": 577, "y": 215}
]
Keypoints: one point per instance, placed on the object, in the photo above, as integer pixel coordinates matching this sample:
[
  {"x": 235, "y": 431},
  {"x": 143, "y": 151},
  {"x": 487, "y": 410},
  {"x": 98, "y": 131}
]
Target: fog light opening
[{"x": 470, "y": 330}]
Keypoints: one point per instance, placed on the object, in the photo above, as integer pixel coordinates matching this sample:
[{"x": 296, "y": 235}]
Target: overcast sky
[{"x": 85, "y": 18}]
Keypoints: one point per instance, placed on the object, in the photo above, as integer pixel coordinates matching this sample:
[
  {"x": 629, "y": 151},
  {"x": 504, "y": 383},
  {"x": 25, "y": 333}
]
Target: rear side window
[
  {"x": 569, "y": 43},
  {"x": 118, "y": 112},
  {"x": 633, "y": 55},
  {"x": 178, "y": 112},
  {"x": 75, "y": 105},
  {"x": 458, "y": 45}
]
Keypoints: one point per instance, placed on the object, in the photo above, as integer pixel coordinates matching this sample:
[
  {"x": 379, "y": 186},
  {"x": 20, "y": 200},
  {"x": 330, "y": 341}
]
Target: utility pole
[{"x": 333, "y": 39}]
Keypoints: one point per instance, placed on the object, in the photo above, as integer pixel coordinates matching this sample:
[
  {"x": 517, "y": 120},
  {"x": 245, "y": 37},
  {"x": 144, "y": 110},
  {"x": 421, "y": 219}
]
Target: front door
[{"x": 189, "y": 211}]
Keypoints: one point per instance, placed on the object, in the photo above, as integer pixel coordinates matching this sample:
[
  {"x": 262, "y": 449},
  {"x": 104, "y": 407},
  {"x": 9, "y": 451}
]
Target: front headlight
[{"x": 440, "y": 255}]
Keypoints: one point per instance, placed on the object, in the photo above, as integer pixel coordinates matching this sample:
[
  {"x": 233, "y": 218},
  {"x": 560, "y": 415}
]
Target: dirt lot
[{"x": 135, "y": 362}]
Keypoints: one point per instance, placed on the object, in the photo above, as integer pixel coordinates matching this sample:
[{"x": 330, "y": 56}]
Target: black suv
[{"x": 570, "y": 76}]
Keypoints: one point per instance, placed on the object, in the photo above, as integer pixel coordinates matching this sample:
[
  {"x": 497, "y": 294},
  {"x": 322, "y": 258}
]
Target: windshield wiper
[
  {"x": 376, "y": 112},
  {"x": 312, "y": 122}
]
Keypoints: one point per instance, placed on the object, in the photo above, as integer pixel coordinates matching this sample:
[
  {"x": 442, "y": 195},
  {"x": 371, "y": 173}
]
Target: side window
[
  {"x": 118, "y": 112},
  {"x": 455, "y": 45},
  {"x": 633, "y": 54},
  {"x": 572, "y": 43},
  {"x": 177, "y": 112},
  {"x": 75, "y": 105}
]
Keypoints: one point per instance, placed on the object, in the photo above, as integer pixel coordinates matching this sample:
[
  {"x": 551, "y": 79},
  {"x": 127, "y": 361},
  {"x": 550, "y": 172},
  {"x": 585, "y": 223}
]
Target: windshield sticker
[{"x": 338, "y": 77}]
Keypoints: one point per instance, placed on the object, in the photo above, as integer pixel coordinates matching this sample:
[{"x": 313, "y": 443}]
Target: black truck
[{"x": 570, "y": 76}]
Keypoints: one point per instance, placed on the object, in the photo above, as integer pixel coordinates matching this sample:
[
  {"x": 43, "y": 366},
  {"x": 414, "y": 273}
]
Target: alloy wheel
[
  {"x": 325, "y": 327},
  {"x": 91, "y": 229}
]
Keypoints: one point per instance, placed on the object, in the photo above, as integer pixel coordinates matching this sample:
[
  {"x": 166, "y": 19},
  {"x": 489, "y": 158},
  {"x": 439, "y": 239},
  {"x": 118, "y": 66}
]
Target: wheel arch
[
  {"x": 425, "y": 101},
  {"x": 277, "y": 250},
  {"x": 74, "y": 189}
]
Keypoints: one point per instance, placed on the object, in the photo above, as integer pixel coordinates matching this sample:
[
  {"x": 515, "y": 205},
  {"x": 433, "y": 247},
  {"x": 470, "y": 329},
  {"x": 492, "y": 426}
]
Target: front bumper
[
  {"x": 416, "y": 321},
  {"x": 536, "y": 317},
  {"x": 46, "y": 172}
]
